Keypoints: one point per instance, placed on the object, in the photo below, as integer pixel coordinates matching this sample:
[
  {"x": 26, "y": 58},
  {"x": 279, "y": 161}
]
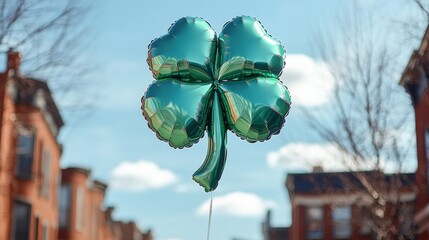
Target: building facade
[
  {"x": 29, "y": 156},
  {"x": 338, "y": 205},
  {"x": 38, "y": 200},
  {"x": 415, "y": 79},
  {"x": 82, "y": 215},
  {"x": 321, "y": 209},
  {"x": 81, "y": 206},
  {"x": 130, "y": 231}
]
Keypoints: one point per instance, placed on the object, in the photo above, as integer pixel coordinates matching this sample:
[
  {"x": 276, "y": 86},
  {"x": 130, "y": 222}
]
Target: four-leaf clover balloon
[{"x": 209, "y": 83}]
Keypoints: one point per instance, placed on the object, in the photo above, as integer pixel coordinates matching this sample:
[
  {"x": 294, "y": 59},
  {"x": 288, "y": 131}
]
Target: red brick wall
[
  {"x": 45, "y": 208},
  {"x": 6, "y": 158},
  {"x": 298, "y": 222},
  {"x": 111, "y": 230},
  {"x": 298, "y": 228},
  {"x": 76, "y": 180},
  {"x": 97, "y": 216},
  {"x": 327, "y": 222},
  {"x": 94, "y": 224},
  {"x": 12, "y": 188},
  {"x": 422, "y": 125}
]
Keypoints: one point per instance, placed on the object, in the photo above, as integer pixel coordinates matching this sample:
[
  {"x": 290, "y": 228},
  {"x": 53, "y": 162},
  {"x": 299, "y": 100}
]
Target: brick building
[
  {"x": 111, "y": 229},
  {"x": 29, "y": 156},
  {"x": 415, "y": 79},
  {"x": 335, "y": 205},
  {"x": 331, "y": 214},
  {"x": 130, "y": 231},
  {"x": 38, "y": 200},
  {"x": 81, "y": 206},
  {"x": 274, "y": 233},
  {"x": 82, "y": 214}
]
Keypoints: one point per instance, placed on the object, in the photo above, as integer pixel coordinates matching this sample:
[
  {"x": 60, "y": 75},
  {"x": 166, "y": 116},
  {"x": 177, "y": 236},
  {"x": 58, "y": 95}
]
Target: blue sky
[{"x": 115, "y": 142}]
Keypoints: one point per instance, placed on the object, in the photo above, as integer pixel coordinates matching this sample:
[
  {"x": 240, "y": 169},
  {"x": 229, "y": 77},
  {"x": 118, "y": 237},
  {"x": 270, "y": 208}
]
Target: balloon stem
[{"x": 210, "y": 172}]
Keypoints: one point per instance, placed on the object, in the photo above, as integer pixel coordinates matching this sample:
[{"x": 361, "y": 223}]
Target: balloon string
[{"x": 210, "y": 215}]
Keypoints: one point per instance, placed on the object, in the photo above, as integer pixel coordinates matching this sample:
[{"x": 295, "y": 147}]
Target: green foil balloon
[{"x": 208, "y": 83}]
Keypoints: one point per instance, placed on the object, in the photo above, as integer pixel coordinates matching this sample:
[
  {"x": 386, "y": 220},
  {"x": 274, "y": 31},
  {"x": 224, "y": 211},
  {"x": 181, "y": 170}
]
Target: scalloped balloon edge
[
  {"x": 156, "y": 132},
  {"x": 266, "y": 32},
  {"x": 271, "y": 135},
  {"x": 217, "y": 38},
  {"x": 168, "y": 30},
  {"x": 230, "y": 129}
]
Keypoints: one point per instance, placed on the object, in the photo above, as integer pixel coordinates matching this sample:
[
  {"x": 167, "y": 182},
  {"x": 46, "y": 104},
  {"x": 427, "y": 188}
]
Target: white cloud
[
  {"x": 308, "y": 80},
  {"x": 303, "y": 156},
  {"x": 184, "y": 188},
  {"x": 239, "y": 204},
  {"x": 141, "y": 175}
]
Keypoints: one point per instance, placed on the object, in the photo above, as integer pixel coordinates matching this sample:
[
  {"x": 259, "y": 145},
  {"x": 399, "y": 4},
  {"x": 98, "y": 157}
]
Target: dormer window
[
  {"x": 39, "y": 100},
  {"x": 25, "y": 154}
]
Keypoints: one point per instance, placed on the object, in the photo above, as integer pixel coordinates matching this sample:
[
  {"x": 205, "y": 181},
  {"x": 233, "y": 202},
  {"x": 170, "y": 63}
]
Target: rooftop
[{"x": 316, "y": 182}]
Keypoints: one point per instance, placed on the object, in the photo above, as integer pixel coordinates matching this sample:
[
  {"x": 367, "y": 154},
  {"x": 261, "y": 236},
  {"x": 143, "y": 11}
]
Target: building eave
[{"x": 419, "y": 52}]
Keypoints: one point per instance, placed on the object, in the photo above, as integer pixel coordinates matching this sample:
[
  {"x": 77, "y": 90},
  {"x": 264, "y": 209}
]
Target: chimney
[
  {"x": 109, "y": 212},
  {"x": 13, "y": 60},
  {"x": 317, "y": 169}
]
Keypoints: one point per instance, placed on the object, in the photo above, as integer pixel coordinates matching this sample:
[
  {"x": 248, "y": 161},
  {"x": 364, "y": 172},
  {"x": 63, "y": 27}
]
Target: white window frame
[
  {"x": 46, "y": 173},
  {"x": 79, "y": 208},
  {"x": 45, "y": 231}
]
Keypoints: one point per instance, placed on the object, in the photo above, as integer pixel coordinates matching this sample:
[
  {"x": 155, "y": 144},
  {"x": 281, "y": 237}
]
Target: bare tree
[
  {"x": 424, "y": 8},
  {"x": 369, "y": 118},
  {"x": 51, "y": 35},
  {"x": 413, "y": 26}
]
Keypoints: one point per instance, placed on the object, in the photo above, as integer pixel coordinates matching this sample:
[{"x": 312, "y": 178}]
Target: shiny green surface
[
  {"x": 209, "y": 174},
  {"x": 177, "y": 111},
  {"x": 185, "y": 52},
  {"x": 255, "y": 108},
  {"x": 246, "y": 49},
  {"x": 234, "y": 77}
]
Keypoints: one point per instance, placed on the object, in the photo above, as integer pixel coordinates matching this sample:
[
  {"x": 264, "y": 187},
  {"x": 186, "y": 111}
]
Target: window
[
  {"x": 24, "y": 155},
  {"x": 314, "y": 217},
  {"x": 365, "y": 225},
  {"x": 79, "y": 208},
  {"x": 427, "y": 144},
  {"x": 21, "y": 220},
  {"x": 45, "y": 173},
  {"x": 36, "y": 228},
  {"x": 57, "y": 188},
  {"x": 341, "y": 219},
  {"x": 406, "y": 214},
  {"x": 95, "y": 222},
  {"x": 423, "y": 82},
  {"x": 137, "y": 235},
  {"x": 45, "y": 232},
  {"x": 64, "y": 206},
  {"x": 417, "y": 89},
  {"x": 427, "y": 150}
]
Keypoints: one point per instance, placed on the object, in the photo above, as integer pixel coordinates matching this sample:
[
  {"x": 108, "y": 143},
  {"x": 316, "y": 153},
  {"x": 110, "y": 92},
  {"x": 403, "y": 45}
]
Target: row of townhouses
[{"x": 38, "y": 199}]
